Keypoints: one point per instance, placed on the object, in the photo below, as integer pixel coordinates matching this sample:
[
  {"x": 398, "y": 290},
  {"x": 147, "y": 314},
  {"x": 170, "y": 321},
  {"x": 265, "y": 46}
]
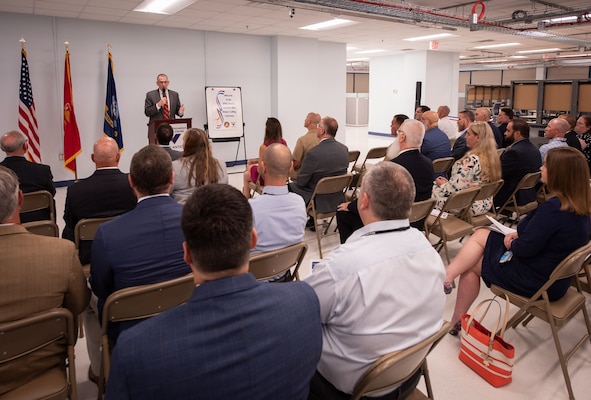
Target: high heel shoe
[
  {"x": 448, "y": 287},
  {"x": 455, "y": 329}
]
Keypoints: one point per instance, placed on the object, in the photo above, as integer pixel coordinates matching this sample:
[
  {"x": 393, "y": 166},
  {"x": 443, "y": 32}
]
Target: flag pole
[
  {"x": 23, "y": 41},
  {"x": 67, "y": 45}
]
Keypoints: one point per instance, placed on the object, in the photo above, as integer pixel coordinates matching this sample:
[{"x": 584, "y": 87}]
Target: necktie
[{"x": 165, "y": 110}]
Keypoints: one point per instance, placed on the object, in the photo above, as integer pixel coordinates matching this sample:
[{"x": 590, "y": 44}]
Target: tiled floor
[{"x": 537, "y": 374}]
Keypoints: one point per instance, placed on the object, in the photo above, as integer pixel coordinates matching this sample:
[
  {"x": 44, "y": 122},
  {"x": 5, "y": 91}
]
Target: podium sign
[{"x": 179, "y": 126}]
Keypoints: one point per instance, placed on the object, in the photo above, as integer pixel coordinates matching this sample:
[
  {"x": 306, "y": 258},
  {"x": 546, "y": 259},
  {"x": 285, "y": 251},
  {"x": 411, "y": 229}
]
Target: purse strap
[{"x": 498, "y": 321}]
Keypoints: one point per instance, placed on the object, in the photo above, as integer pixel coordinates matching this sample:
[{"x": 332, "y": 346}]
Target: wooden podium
[{"x": 153, "y": 125}]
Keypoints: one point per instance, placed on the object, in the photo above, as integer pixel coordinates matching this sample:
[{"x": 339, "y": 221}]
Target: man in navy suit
[
  {"x": 327, "y": 158},
  {"x": 144, "y": 245},
  {"x": 156, "y": 100},
  {"x": 105, "y": 193},
  {"x": 520, "y": 158},
  {"x": 31, "y": 176},
  {"x": 435, "y": 143},
  {"x": 235, "y": 338},
  {"x": 410, "y": 137}
]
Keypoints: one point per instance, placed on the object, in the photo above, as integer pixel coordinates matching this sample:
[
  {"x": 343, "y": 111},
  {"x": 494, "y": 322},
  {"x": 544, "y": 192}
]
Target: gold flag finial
[
  {"x": 23, "y": 41},
  {"x": 109, "y": 47}
]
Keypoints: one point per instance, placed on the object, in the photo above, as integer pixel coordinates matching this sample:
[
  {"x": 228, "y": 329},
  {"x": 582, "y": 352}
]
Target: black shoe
[
  {"x": 310, "y": 223},
  {"x": 456, "y": 329}
]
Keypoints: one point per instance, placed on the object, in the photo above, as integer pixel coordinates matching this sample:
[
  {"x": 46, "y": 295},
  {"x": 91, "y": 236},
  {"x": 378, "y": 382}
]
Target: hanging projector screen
[{"x": 224, "y": 112}]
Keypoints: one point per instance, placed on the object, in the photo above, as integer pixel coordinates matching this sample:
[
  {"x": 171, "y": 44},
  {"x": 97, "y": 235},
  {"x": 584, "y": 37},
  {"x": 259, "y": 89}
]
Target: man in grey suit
[
  {"x": 163, "y": 137},
  {"x": 328, "y": 158},
  {"x": 157, "y": 101}
]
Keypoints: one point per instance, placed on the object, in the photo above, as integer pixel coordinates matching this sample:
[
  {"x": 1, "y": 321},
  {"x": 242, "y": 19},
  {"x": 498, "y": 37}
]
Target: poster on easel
[{"x": 224, "y": 112}]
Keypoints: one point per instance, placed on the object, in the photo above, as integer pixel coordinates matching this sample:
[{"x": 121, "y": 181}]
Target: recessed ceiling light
[
  {"x": 429, "y": 37},
  {"x": 553, "y": 49},
  {"x": 330, "y": 24},
  {"x": 494, "y": 46},
  {"x": 370, "y": 51},
  {"x": 167, "y": 7}
]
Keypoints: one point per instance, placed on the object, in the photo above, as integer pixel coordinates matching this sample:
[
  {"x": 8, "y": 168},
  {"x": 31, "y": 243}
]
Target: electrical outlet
[{"x": 60, "y": 157}]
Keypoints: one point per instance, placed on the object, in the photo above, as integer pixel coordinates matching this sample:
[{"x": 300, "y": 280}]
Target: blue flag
[{"x": 112, "y": 126}]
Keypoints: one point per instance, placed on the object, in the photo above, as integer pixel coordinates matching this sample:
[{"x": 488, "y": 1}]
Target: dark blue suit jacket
[
  {"x": 236, "y": 338},
  {"x": 140, "y": 247},
  {"x": 519, "y": 159},
  {"x": 435, "y": 144}
]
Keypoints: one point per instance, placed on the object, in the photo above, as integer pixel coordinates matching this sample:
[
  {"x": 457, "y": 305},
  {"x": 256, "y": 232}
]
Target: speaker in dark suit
[
  {"x": 157, "y": 99},
  {"x": 31, "y": 176}
]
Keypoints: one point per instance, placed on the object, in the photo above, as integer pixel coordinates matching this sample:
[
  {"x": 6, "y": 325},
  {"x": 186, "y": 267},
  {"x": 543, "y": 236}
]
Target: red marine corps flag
[{"x": 72, "y": 146}]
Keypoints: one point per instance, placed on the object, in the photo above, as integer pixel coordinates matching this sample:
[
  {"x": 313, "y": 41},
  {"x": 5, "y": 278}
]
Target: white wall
[
  {"x": 191, "y": 59},
  {"x": 392, "y": 83}
]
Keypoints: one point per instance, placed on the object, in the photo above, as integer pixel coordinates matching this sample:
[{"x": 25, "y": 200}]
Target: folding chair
[
  {"x": 43, "y": 228},
  {"x": 327, "y": 186},
  {"x": 486, "y": 190},
  {"x": 22, "y": 337},
  {"x": 442, "y": 165},
  {"x": 421, "y": 209},
  {"x": 270, "y": 264},
  {"x": 39, "y": 200},
  {"x": 556, "y": 313},
  {"x": 85, "y": 230},
  {"x": 500, "y": 151},
  {"x": 353, "y": 157},
  {"x": 391, "y": 370},
  {"x": 372, "y": 154},
  {"x": 450, "y": 227},
  {"x": 529, "y": 181},
  {"x": 136, "y": 303}
]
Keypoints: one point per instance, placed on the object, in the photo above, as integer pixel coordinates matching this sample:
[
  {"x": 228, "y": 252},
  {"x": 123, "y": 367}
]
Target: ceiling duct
[{"x": 414, "y": 13}]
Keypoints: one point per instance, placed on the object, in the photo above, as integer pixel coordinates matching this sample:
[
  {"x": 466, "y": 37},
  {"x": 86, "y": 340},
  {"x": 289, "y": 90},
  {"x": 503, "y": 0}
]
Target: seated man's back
[
  {"x": 235, "y": 337},
  {"x": 38, "y": 274}
]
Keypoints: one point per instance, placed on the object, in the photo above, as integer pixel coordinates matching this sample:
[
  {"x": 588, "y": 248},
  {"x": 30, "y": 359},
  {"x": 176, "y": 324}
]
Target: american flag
[{"x": 27, "y": 122}]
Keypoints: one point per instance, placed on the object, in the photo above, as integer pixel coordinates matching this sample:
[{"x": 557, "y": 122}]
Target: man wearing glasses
[{"x": 163, "y": 103}]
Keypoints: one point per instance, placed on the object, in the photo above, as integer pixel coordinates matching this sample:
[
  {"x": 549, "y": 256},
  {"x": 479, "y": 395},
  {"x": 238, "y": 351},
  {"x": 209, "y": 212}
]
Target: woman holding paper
[
  {"x": 481, "y": 164},
  {"x": 522, "y": 261}
]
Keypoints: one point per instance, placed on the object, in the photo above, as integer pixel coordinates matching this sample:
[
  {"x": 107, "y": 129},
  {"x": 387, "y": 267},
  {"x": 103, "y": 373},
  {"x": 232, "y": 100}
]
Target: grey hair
[
  {"x": 391, "y": 190},
  {"x": 12, "y": 141},
  {"x": 8, "y": 193},
  {"x": 414, "y": 131}
]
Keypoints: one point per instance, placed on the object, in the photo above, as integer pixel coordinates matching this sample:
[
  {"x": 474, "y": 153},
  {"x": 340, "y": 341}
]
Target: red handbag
[{"x": 484, "y": 352}]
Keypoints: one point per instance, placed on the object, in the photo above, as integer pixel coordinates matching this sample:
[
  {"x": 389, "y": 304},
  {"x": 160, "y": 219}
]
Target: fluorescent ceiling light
[
  {"x": 494, "y": 46},
  {"x": 429, "y": 37},
  {"x": 358, "y": 59},
  {"x": 517, "y": 56},
  {"x": 575, "y": 55},
  {"x": 330, "y": 24},
  {"x": 493, "y": 61},
  {"x": 370, "y": 51},
  {"x": 351, "y": 48},
  {"x": 561, "y": 19},
  {"x": 167, "y": 7},
  {"x": 539, "y": 51}
]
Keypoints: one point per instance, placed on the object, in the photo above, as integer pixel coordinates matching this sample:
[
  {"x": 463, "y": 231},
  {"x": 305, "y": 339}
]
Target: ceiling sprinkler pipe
[{"x": 479, "y": 15}]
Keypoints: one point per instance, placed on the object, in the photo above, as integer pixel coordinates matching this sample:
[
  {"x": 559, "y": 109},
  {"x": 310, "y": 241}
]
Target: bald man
[
  {"x": 305, "y": 142},
  {"x": 279, "y": 215},
  {"x": 483, "y": 114},
  {"x": 555, "y": 132},
  {"x": 103, "y": 194},
  {"x": 436, "y": 143}
]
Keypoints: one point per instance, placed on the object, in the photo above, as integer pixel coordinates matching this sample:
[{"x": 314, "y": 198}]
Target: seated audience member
[
  {"x": 571, "y": 136},
  {"x": 305, "y": 143},
  {"x": 483, "y": 114},
  {"x": 197, "y": 166},
  {"x": 31, "y": 176},
  {"x": 435, "y": 143},
  {"x": 555, "y": 132},
  {"x": 394, "y": 148},
  {"x": 105, "y": 193},
  {"x": 328, "y": 158},
  {"x": 543, "y": 239},
  {"x": 465, "y": 119},
  {"x": 480, "y": 165},
  {"x": 235, "y": 338},
  {"x": 144, "y": 245},
  {"x": 164, "y": 135},
  {"x": 521, "y": 158},
  {"x": 39, "y": 273},
  {"x": 273, "y": 134},
  {"x": 445, "y": 124},
  {"x": 365, "y": 284},
  {"x": 419, "y": 112},
  {"x": 279, "y": 216},
  {"x": 420, "y": 168},
  {"x": 503, "y": 117},
  {"x": 583, "y": 130}
]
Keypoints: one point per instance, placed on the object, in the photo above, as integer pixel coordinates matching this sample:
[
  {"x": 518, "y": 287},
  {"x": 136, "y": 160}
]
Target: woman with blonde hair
[
  {"x": 543, "y": 239},
  {"x": 481, "y": 164},
  {"x": 197, "y": 166},
  {"x": 273, "y": 134}
]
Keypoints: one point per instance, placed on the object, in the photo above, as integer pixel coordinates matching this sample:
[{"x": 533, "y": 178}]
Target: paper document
[{"x": 498, "y": 227}]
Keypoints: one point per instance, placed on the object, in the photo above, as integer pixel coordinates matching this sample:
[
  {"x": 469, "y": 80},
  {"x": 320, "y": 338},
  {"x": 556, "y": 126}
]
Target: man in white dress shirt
[
  {"x": 445, "y": 124},
  {"x": 380, "y": 291}
]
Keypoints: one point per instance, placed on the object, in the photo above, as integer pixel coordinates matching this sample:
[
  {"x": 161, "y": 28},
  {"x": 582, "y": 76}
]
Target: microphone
[{"x": 163, "y": 92}]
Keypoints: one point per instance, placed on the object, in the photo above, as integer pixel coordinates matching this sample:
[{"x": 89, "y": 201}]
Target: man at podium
[{"x": 163, "y": 103}]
